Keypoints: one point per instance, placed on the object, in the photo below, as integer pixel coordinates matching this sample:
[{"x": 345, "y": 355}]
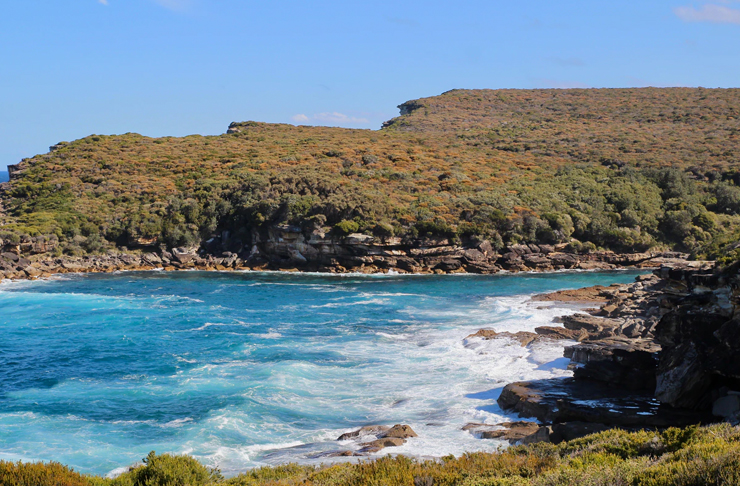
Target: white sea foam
[{"x": 333, "y": 305}]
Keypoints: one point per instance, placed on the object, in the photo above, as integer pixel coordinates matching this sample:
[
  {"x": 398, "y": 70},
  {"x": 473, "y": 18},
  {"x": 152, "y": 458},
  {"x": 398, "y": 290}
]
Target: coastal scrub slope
[{"x": 619, "y": 169}]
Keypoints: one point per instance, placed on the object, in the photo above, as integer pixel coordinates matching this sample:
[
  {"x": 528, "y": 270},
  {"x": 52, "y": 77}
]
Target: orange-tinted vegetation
[{"x": 625, "y": 169}]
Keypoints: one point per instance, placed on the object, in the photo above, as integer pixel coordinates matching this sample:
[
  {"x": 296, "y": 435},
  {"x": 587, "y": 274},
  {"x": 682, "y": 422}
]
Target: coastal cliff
[
  {"x": 661, "y": 352},
  {"x": 287, "y": 248}
]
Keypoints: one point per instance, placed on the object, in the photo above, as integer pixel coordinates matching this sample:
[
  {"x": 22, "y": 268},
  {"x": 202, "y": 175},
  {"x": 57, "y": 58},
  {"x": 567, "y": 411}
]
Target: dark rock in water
[
  {"x": 384, "y": 437},
  {"x": 515, "y": 433},
  {"x": 334, "y": 454},
  {"x": 568, "y": 400},
  {"x": 524, "y": 338},
  {"x": 380, "y": 444},
  {"x": 376, "y": 430}
]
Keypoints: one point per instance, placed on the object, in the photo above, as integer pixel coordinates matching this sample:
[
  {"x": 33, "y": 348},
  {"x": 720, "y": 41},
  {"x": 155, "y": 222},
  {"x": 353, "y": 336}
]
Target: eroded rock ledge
[
  {"x": 660, "y": 352},
  {"x": 288, "y": 248}
]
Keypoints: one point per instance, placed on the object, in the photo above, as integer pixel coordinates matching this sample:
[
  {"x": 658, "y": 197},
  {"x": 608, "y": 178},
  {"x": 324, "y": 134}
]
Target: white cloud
[
  {"x": 716, "y": 14},
  {"x": 338, "y": 118},
  {"x": 331, "y": 118},
  {"x": 104, "y": 2}
]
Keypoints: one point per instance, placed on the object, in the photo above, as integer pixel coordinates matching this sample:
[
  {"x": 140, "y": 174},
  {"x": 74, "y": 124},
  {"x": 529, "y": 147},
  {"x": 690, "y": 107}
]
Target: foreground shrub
[
  {"x": 169, "y": 470},
  {"x": 692, "y": 456},
  {"x": 39, "y": 474}
]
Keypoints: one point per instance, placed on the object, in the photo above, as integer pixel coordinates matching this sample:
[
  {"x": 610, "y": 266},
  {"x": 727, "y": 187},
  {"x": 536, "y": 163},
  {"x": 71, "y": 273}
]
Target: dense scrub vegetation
[
  {"x": 625, "y": 169},
  {"x": 692, "y": 456}
]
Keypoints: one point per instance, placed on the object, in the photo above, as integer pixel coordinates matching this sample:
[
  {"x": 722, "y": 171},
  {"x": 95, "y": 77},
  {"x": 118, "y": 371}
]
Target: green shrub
[
  {"x": 169, "y": 470},
  {"x": 39, "y": 474},
  {"x": 345, "y": 227}
]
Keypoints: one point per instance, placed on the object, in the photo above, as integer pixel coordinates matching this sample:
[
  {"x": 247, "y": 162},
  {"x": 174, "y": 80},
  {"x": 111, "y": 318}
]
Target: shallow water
[{"x": 248, "y": 369}]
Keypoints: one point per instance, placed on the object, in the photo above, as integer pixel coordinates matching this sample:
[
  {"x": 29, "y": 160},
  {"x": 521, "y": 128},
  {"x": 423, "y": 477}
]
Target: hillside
[{"x": 620, "y": 169}]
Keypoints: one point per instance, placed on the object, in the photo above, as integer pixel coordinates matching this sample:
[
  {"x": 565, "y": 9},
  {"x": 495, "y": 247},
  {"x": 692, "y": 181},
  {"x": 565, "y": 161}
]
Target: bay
[{"x": 248, "y": 369}]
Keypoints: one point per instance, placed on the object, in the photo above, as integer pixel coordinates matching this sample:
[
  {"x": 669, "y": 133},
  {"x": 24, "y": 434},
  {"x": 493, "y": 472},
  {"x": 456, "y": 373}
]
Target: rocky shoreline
[
  {"x": 658, "y": 353},
  {"x": 652, "y": 354},
  {"x": 287, "y": 249}
]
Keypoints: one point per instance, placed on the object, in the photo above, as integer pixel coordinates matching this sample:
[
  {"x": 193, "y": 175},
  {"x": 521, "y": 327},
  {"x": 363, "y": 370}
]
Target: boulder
[
  {"x": 11, "y": 257},
  {"x": 399, "y": 431},
  {"x": 182, "y": 255},
  {"x": 448, "y": 265},
  {"x": 473, "y": 256}
]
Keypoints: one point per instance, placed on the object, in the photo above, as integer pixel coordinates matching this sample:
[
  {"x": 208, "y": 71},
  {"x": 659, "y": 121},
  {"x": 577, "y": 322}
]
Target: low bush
[{"x": 693, "y": 456}]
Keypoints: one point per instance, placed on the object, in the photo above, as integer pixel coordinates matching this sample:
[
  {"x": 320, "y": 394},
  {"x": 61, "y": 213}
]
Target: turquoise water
[{"x": 247, "y": 369}]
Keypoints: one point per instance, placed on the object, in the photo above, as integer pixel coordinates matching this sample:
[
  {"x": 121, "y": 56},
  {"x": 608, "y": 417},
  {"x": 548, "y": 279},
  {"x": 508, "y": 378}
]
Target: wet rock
[
  {"x": 380, "y": 444},
  {"x": 333, "y": 454},
  {"x": 376, "y": 430},
  {"x": 524, "y": 338},
  {"x": 570, "y": 400}
]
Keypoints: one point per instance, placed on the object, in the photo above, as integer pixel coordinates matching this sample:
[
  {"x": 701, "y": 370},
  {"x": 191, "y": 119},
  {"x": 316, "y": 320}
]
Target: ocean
[
  {"x": 244, "y": 369},
  {"x": 4, "y": 177}
]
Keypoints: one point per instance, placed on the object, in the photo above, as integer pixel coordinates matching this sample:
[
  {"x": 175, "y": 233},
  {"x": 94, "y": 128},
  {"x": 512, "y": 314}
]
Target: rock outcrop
[
  {"x": 293, "y": 248},
  {"x": 516, "y": 433},
  {"x": 659, "y": 352},
  {"x": 374, "y": 438}
]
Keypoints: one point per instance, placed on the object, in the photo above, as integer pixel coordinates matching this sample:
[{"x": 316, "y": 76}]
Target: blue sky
[{"x": 175, "y": 67}]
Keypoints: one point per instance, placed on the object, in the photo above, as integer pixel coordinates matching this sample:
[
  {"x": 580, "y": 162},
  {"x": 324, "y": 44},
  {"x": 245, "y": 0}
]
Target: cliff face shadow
[
  {"x": 487, "y": 395},
  {"x": 556, "y": 364}
]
